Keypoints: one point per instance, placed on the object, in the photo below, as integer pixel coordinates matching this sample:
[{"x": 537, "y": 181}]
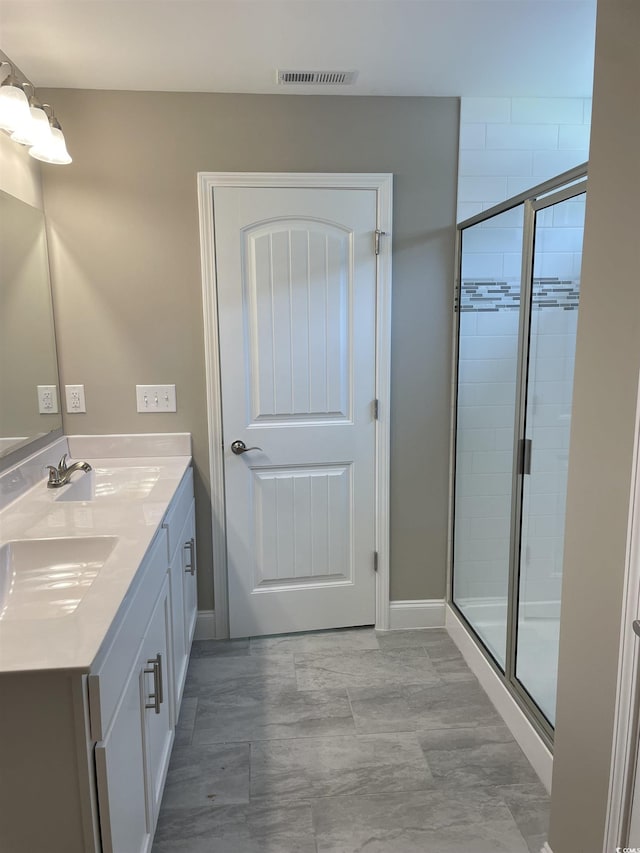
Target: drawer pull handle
[
  {"x": 189, "y": 547},
  {"x": 157, "y": 696}
]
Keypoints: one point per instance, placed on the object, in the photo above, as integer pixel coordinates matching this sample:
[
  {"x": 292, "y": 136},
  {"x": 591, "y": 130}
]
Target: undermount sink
[
  {"x": 48, "y": 578},
  {"x": 126, "y": 483}
]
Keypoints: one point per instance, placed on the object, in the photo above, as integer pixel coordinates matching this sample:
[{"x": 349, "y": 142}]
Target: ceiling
[{"x": 399, "y": 47}]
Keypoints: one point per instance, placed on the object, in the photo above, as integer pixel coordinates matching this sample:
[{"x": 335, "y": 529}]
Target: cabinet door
[
  {"x": 178, "y": 633},
  {"x": 156, "y": 684},
  {"x": 120, "y": 776},
  {"x": 189, "y": 576}
]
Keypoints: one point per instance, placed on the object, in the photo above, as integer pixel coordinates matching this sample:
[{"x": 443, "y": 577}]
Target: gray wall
[
  {"x": 602, "y": 442},
  {"x": 126, "y": 269}
]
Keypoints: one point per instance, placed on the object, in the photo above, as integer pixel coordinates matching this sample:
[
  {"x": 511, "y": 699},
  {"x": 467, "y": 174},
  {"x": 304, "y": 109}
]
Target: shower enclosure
[{"x": 517, "y": 300}]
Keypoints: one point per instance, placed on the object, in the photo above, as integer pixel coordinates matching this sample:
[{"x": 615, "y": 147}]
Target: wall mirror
[{"x": 27, "y": 337}]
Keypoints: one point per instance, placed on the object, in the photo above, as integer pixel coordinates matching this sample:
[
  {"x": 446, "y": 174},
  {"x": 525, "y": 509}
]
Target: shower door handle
[{"x": 525, "y": 456}]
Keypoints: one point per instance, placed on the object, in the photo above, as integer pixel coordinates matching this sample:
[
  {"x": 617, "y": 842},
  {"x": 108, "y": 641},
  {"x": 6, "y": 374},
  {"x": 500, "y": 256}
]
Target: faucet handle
[
  {"x": 62, "y": 464},
  {"x": 54, "y": 476}
]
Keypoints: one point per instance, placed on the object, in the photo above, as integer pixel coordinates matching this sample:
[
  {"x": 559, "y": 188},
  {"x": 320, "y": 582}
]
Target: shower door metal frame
[{"x": 563, "y": 187}]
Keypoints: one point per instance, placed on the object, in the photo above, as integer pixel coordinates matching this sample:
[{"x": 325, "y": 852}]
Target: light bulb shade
[
  {"x": 35, "y": 131},
  {"x": 14, "y": 108},
  {"x": 53, "y": 150}
]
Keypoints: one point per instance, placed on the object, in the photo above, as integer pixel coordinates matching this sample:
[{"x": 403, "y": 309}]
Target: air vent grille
[{"x": 317, "y": 78}]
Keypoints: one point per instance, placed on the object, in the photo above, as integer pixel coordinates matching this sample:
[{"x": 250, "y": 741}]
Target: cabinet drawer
[
  {"x": 113, "y": 665},
  {"x": 177, "y": 513}
]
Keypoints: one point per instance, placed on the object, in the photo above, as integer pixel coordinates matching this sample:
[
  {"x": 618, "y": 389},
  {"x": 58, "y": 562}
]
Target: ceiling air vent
[{"x": 317, "y": 78}]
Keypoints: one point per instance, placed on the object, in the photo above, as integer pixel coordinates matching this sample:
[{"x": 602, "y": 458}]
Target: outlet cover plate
[
  {"x": 48, "y": 399},
  {"x": 75, "y": 399},
  {"x": 156, "y": 398}
]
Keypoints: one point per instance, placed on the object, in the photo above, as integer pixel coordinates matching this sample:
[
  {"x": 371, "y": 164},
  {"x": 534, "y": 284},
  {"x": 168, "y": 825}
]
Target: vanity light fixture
[
  {"x": 28, "y": 121},
  {"x": 14, "y": 104}
]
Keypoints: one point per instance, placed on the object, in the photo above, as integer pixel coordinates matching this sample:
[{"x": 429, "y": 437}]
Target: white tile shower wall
[{"x": 508, "y": 145}]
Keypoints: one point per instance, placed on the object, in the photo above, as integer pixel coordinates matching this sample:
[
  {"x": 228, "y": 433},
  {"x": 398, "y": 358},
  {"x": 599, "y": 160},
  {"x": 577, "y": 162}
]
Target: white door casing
[
  {"x": 313, "y": 505},
  {"x": 623, "y": 809}
]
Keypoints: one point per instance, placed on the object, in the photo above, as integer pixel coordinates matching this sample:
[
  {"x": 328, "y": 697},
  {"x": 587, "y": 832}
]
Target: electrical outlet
[
  {"x": 156, "y": 398},
  {"x": 75, "y": 399},
  {"x": 47, "y": 399}
]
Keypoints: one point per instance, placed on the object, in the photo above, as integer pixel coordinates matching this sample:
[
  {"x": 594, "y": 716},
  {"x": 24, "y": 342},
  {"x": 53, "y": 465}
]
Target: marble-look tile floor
[{"x": 344, "y": 742}]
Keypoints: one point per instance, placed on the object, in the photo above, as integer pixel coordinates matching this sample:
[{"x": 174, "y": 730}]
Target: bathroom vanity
[{"x": 97, "y": 615}]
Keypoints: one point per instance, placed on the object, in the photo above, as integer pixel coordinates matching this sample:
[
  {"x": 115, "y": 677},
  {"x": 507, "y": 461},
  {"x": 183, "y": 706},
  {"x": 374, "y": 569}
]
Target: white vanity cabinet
[
  {"x": 84, "y": 755},
  {"x": 181, "y": 545}
]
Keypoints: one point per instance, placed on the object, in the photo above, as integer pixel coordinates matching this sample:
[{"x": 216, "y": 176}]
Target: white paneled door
[{"x": 296, "y": 275}]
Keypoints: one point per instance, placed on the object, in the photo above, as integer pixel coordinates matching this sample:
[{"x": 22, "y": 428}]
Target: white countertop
[{"x": 72, "y": 640}]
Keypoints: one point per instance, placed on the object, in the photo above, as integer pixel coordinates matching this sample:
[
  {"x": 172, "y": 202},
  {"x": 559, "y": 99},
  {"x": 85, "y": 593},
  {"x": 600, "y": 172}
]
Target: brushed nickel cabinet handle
[
  {"x": 189, "y": 547},
  {"x": 155, "y": 670}
]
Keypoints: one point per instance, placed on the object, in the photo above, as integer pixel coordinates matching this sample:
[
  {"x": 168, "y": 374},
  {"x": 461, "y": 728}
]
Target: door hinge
[
  {"x": 375, "y": 561},
  {"x": 376, "y": 410},
  {"x": 378, "y": 234}
]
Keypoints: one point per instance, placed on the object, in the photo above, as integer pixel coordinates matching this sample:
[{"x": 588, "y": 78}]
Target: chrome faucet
[{"x": 61, "y": 475}]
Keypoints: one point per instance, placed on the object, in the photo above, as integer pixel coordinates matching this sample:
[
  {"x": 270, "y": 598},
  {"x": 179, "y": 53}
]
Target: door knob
[{"x": 239, "y": 447}]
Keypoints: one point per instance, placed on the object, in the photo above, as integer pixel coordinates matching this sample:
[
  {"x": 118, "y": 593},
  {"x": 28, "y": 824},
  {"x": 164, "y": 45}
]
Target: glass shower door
[
  {"x": 559, "y": 223},
  {"x": 489, "y": 310}
]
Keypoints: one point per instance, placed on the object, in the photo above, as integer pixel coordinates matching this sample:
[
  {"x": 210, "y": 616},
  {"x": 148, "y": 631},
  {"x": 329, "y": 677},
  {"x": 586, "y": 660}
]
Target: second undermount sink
[
  {"x": 126, "y": 483},
  {"x": 48, "y": 578}
]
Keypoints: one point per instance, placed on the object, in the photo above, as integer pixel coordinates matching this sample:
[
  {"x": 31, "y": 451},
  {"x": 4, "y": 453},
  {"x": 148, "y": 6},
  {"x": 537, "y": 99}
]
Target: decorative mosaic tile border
[{"x": 487, "y": 295}]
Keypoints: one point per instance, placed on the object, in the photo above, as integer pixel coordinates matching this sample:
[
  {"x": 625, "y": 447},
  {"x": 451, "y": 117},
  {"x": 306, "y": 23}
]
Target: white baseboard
[
  {"x": 404, "y": 615},
  {"x": 205, "y": 625},
  {"x": 528, "y": 739}
]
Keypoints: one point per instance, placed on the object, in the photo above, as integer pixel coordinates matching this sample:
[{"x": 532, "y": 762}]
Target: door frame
[
  {"x": 383, "y": 185},
  {"x": 625, "y": 752}
]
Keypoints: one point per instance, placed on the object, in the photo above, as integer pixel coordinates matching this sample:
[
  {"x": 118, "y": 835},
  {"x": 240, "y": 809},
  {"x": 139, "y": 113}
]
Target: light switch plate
[
  {"x": 75, "y": 399},
  {"x": 156, "y": 398},
  {"x": 47, "y": 399}
]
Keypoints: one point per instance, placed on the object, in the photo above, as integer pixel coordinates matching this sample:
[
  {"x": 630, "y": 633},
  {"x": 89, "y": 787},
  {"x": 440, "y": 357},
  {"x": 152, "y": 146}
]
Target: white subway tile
[
  {"x": 548, "y": 164},
  {"x": 481, "y": 265},
  {"x": 475, "y": 439},
  {"x": 498, "y": 323},
  {"x": 470, "y": 485},
  {"x": 479, "y": 110},
  {"x": 487, "y": 370},
  {"x": 554, "y": 265},
  {"x": 504, "y": 438},
  {"x": 490, "y": 528},
  {"x": 574, "y": 136},
  {"x": 568, "y": 213},
  {"x": 509, "y": 219},
  {"x": 487, "y": 393},
  {"x": 544, "y": 217},
  {"x": 492, "y": 240},
  {"x": 550, "y": 438},
  {"x": 472, "y": 136},
  {"x": 485, "y": 417},
  {"x": 490, "y": 506},
  {"x": 565, "y": 239},
  {"x": 520, "y": 184},
  {"x": 483, "y": 346},
  {"x": 512, "y": 266},
  {"x": 495, "y": 163},
  {"x": 492, "y": 189},
  {"x": 547, "y": 110},
  {"x": 468, "y": 323},
  {"x": 549, "y": 414},
  {"x": 527, "y": 137},
  {"x": 467, "y": 209},
  {"x": 493, "y": 462}
]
